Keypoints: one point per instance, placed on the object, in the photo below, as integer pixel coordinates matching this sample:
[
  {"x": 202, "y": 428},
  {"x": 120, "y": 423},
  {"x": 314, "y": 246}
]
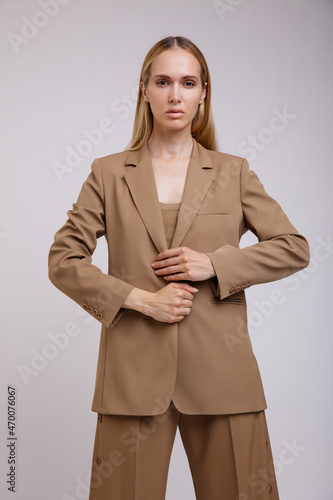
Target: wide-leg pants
[{"x": 229, "y": 456}]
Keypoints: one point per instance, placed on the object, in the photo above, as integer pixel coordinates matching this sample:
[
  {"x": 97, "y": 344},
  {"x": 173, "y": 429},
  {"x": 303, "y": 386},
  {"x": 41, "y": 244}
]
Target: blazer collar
[{"x": 142, "y": 185}]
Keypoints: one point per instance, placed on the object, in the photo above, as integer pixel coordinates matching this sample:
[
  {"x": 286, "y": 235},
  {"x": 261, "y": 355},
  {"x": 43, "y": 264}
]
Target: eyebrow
[{"x": 186, "y": 77}]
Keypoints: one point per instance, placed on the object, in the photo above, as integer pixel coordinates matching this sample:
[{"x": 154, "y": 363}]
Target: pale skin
[{"x": 174, "y": 84}]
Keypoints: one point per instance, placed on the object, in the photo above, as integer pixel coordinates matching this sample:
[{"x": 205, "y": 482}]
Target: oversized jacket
[{"x": 204, "y": 363}]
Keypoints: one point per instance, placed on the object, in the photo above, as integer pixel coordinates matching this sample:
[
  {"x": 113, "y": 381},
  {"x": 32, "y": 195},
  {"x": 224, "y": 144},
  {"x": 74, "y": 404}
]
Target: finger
[
  {"x": 187, "y": 303},
  {"x": 165, "y": 262},
  {"x": 170, "y": 252},
  {"x": 177, "y": 319},
  {"x": 187, "y": 287},
  {"x": 183, "y": 311},
  {"x": 169, "y": 270},
  {"x": 187, "y": 297},
  {"x": 176, "y": 277}
]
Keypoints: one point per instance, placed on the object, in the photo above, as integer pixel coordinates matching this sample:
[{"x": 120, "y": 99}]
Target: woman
[{"x": 174, "y": 349}]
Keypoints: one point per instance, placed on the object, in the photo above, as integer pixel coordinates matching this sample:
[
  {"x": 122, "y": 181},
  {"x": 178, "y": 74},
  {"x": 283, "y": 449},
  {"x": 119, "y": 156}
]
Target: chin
[{"x": 177, "y": 125}]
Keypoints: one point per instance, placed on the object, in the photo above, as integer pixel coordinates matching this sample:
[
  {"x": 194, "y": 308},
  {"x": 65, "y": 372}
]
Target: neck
[{"x": 170, "y": 145}]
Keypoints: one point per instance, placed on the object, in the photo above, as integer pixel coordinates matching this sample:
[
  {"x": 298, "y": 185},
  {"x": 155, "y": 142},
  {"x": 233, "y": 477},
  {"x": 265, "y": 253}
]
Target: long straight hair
[{"x": 203, "y": 127}]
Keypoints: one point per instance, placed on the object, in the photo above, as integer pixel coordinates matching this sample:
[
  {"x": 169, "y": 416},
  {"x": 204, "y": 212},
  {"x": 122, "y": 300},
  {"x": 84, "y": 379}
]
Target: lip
[{"x": 175, "y": 113}]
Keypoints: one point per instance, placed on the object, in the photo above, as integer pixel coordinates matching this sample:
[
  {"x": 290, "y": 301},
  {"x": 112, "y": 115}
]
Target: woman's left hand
[{"x": 182, "y": 263}]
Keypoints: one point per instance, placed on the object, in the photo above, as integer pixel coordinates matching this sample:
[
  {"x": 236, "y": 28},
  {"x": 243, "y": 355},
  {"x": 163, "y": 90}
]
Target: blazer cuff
[
  {"x": 227, "y": 281},
  {"x": 110, "y": 313}
]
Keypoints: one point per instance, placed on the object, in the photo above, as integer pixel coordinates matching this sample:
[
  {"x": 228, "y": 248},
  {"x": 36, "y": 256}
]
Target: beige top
[{"x": 170, "y": 214}]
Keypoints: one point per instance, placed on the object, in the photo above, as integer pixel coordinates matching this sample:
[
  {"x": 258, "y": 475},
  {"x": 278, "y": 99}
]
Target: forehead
[{"x": 175, "y": 62}]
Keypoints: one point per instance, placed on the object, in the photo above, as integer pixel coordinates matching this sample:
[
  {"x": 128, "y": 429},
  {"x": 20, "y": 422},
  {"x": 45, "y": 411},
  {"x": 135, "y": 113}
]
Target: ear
[
  {"x": 144, "y": 91},
  {"x": 203, "y": 95}
]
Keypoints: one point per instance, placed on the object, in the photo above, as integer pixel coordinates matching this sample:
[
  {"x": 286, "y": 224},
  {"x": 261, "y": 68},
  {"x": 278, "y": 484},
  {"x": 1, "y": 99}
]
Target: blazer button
[
  {"x": 90, "y": 309},
  {"x": 270, "y": 489},
  {"x": 99, "y": 315},
  {"x": 98, "y": 461},
  {"x": 238, "y": 288},
  {"x": 85, "y": 306},
  {"x": 100, "y": 417},
  {"x": 95, "y": 312}
]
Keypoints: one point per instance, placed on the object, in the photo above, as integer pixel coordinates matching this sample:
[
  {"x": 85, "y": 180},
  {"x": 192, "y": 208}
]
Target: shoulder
[
  {"x": 218, "y": 157},
  {"x": 110, "y": 168},
  {"x": 112, "y": 161},
  {"x": 227, "y": 162},
  {"x": 222, "y": 157}
]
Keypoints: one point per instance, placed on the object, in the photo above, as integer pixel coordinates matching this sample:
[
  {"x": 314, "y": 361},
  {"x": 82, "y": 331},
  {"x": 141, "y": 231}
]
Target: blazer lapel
[
  {"x": 142, "y": 185},
  {"x": 200, "y": 175}
]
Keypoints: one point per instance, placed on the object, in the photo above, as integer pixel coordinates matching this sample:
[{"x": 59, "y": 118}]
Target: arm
[
  {"x": 281, "y": 250},
  {"x": 70, "y": 256}
]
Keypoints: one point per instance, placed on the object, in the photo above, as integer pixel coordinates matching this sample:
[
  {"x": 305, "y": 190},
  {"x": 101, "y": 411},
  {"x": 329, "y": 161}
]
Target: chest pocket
[{"x": 215, "y": 206}]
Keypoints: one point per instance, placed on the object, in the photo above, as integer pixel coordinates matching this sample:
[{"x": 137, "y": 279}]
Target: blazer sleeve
[
  {"x": 280, "y": 251},
  {"x": 70, "y": 256}
]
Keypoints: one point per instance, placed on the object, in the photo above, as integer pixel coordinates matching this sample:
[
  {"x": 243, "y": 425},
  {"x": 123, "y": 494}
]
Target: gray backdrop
[{"x": 71, "y": 68}]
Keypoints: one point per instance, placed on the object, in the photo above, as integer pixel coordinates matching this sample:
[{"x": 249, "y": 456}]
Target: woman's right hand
[{"x": 167, "y": 305}]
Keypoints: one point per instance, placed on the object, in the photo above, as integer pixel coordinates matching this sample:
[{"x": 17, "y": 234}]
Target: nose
[
  {"x": 174, "y": 95},
  {"x": 174, "y": 99}
]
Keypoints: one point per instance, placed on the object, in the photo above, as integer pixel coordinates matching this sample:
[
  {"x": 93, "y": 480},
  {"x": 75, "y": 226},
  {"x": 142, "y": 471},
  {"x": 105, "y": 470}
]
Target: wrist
[
  {"x": 138, "y": 300},
  {"x": 211, "y": 270}
]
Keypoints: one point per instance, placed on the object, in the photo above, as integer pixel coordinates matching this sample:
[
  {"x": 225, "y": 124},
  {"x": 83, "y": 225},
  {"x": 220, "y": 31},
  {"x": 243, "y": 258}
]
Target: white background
[{"x": 83, "y": 66}]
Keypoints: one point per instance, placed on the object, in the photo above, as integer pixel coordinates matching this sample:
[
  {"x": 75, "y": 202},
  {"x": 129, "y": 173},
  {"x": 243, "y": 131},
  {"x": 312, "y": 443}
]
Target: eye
[
  {"x": 189, "y": 84},
  {"x": 161, "y": 83}
]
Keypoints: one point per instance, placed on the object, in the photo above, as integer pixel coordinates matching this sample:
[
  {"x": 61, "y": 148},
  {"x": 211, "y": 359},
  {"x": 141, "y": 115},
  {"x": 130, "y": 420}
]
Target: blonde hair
[{"x": 203, "y": 127}]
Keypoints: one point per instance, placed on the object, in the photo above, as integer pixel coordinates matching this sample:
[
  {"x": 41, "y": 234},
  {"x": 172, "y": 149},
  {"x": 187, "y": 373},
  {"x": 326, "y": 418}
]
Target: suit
[{"x": 204, "y": 363}]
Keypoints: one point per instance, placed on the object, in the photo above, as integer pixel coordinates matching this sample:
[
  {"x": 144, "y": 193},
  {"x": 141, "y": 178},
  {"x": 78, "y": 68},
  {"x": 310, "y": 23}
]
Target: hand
[
  {"x": 182, "y": 263},
  {"x": 168, "y": 304}
]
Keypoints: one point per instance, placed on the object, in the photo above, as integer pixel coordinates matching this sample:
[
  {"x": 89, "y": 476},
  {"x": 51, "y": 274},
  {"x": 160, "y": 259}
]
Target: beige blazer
[{"x": 205, "y": 363}]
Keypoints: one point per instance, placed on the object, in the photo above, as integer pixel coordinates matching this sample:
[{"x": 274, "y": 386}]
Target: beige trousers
[{"x": 229, "y": 456}]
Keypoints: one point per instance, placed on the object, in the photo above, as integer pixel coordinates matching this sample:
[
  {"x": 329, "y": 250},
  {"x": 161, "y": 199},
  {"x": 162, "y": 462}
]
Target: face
[{"x": 174, "y": 90}]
